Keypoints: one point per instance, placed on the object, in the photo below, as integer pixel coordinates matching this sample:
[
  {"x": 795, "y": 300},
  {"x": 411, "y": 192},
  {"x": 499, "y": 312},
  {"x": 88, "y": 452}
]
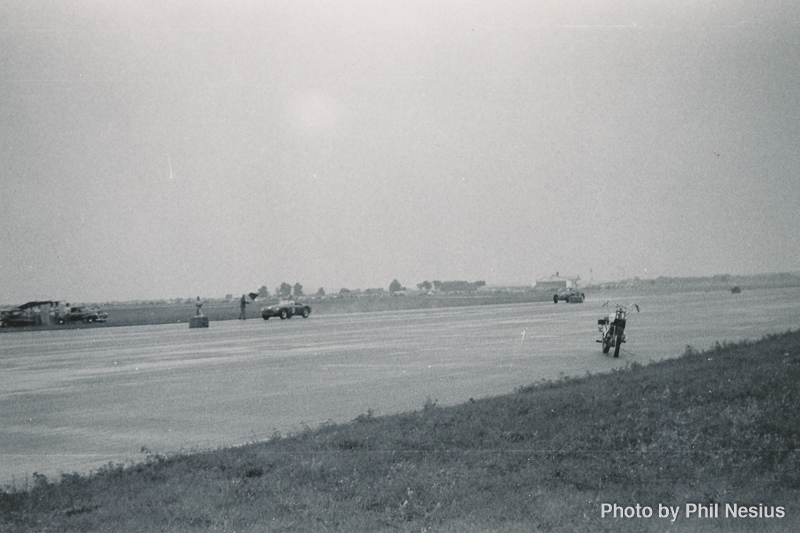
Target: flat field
[
  {"x": 703, "y": 443},
  {"x": 153, "y": 313},
  {"x": 73, "y": 400}
]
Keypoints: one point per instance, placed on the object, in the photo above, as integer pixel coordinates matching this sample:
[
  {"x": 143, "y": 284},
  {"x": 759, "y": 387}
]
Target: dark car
[
  {"x": 80, "y": 314},
  {"x": 96, "y": 315},
  {"x": 570, "y": 296},
  {"x": 285, "y": 309},
  {"x": 16, "y": 318}
]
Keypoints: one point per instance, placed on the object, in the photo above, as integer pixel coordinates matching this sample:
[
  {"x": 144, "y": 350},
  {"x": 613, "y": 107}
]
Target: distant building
[{"x": 555, "y": 283}]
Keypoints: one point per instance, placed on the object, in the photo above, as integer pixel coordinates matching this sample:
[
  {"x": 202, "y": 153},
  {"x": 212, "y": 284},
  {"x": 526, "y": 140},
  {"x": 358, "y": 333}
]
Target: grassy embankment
[{"x": 720, "y": 426}]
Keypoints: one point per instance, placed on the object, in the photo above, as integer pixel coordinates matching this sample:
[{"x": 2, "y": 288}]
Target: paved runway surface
[{"x": 71, "y": 401}]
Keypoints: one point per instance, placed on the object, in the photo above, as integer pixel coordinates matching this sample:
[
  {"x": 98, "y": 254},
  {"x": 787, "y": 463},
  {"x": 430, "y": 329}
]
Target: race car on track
[
  {"x": 570, "y": 296},
  {"x": 285, "y": 309}
]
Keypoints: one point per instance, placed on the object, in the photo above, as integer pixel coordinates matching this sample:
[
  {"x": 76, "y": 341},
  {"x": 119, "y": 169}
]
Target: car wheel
[
  {"x": 265, "y": 317},
  {"x": 306, "y": 312},
  {"x": 555, "y": 298},
  {"x": 283, "y": 314}
]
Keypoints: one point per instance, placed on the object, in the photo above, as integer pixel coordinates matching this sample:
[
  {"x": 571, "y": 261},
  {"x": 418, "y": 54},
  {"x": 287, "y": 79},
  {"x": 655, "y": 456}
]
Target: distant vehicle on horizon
[{"x": 285, "y": 309}]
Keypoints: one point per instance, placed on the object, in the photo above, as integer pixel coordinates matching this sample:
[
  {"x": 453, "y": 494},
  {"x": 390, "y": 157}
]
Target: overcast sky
[{"x": 174, "y": 149}]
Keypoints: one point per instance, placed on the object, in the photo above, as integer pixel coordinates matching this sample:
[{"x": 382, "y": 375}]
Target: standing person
[
  {"x": 243, "y": 308},
  {"x": 198, "y": 303}
]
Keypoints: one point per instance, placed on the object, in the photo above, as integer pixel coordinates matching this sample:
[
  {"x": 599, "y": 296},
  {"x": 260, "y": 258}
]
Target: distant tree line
[
  {"x": 396, "y": 287},
  {"x": 451, "y": 286},
  {"x": 285, "y": 290}
]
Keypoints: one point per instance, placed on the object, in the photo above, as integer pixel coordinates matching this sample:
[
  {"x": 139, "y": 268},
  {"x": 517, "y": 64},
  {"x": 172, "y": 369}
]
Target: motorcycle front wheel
[
  {"x": 606, "y": 342},
  {"x": 617, "y": 344}
]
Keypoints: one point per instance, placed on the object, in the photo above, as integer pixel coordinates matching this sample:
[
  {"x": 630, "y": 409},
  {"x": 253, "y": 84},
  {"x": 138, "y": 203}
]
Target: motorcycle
[{"x": 612, "y": 327}]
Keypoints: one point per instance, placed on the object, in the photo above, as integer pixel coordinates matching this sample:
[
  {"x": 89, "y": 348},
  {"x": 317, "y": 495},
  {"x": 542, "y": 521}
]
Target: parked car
[
  {"x": 80, "y": 314},
  {"x": 97, "y": 315},
  {"x": 17, "y": 317},
  {"x": 570, "y": 296},
  {"x": 285, "y": 309}
]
